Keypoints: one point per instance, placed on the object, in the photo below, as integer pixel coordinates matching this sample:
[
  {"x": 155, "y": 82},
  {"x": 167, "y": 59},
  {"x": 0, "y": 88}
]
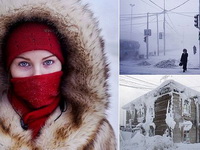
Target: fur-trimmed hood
[{"x": 84, "y": 84}]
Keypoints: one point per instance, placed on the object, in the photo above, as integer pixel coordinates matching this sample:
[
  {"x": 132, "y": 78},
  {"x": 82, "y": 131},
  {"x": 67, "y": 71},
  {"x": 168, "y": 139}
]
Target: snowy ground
[
  {"x": 141, "y": 142},
  {"x": 148, "y": 66}
]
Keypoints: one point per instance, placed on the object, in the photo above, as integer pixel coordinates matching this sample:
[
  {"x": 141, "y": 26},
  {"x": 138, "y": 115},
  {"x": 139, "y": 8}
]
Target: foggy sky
[{"x": 180, "y": 30}]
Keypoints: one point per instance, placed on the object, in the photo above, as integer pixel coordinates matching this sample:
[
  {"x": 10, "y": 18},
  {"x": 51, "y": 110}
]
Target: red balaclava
[{"x": 34, "y": 98}]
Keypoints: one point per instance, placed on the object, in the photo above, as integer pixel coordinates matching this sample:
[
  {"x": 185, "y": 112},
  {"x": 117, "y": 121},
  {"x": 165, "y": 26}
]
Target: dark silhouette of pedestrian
[
  {"x": 184, "y": 58},
  {"x": 194, "y": 49}
]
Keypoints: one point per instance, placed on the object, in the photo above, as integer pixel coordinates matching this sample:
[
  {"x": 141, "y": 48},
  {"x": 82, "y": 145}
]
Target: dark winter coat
[
  {"x": 84, "y": 85},
  {"x": 184, "y": 58}
]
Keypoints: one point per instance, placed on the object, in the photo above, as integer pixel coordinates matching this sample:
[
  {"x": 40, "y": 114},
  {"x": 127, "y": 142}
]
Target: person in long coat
[
  {"x": 184, "y": 59},
  {"x": 53, "y": 78}
]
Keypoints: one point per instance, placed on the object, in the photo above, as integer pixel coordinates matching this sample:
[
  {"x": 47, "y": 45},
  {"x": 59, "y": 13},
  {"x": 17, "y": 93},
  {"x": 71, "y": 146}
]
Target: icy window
[
  {"x": 185, "y": 125},
  {"x": 151, "y": 131},
  {"x": 186, "y": 108},
  {"x": 151, "y": 111},
  {"x": 130, "y": 115},
  {"x": 186, "y": 137},
  {"x": 141, "y": 115}
]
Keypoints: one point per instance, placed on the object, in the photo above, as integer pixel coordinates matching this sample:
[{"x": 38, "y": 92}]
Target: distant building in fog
[{"x": 129, "y": 49}]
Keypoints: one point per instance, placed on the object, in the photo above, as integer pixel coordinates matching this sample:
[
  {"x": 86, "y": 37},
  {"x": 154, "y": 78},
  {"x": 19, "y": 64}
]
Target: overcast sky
[{"x": 180, "y": 30}]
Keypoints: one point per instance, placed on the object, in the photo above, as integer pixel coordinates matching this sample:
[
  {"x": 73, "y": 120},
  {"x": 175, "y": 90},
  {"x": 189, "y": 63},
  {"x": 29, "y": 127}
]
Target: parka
[
  {"x": 184, "y": 58},
  {"x": 84, "y": 88}
]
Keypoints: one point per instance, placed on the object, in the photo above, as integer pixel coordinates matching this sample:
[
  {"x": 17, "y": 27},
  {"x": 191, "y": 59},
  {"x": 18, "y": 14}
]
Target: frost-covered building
[
  {"x": 129, "y": 49},
  {"x": 171, "y": 109}
]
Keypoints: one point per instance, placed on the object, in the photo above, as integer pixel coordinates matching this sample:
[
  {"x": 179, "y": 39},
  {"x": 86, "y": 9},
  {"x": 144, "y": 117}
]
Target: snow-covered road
[
  {"x": 131, "y": 67},
  {"x": 161, "y": 65},
  {"x": 140, "y": 142}
]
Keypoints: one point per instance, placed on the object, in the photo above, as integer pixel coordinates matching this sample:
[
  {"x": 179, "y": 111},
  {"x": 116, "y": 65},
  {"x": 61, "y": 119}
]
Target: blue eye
[
  {"x": 48, "y": 62},
  {"x": 23, "y": 64}
]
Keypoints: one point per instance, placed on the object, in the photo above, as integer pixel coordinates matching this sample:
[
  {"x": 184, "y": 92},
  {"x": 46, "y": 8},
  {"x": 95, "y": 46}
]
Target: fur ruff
[{"x": 84, "y": 84}]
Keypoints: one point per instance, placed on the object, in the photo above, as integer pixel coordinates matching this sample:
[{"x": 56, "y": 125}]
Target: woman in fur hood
[{"x": 53, "y": 78}]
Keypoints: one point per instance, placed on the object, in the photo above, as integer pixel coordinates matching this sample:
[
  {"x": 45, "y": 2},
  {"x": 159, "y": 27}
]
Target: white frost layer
[
  {"x": 170, "y": 121},
  {"x": 170, "y": 116},
  {"x": 141, "y": 142},
  {"x": 187, "y": 125},
  {"x": 174, "y": 86}
]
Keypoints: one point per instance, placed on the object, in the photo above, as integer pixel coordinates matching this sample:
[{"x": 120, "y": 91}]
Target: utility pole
[
  {"x": 164, "y": 28},
  {"x": 131, "y": 18},
  {"x": 157, "y": 36},
  {"x": 147, "y": 37}
]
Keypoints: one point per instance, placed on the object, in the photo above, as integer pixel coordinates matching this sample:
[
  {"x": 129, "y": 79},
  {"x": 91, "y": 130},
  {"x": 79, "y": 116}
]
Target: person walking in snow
[
  {"x": 194, "y": 49},
  {"x": 53, "y": 78},
  {"x": 184, "y": 59}
]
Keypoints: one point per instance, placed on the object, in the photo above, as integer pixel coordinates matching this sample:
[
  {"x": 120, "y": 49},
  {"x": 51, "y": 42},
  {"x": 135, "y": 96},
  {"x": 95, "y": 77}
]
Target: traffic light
[
  {"x": 145, "y": 39},
  {"x": 196, "y": 21},
  {"x": 199, "y": 35}
]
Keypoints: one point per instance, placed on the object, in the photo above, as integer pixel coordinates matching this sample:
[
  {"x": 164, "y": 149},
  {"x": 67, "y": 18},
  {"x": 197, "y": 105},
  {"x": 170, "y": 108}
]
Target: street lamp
[
  {"x": 131, "y": 18},
  {"x": 164, "y": 29}
]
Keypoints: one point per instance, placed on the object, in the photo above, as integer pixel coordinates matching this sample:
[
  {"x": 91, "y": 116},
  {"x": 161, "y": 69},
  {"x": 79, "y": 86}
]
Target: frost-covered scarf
[{"x": 35, "y": 98}]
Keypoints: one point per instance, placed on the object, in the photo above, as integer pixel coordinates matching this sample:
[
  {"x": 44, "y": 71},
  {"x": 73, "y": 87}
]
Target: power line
[
  {"x": 170, "y": 20},
  {"x": 172, "y": 8},
  {"x": 139, "y": 15},
  {"x": 179, "y": 5},
  {"x": 151, "y": 21},
  {"x": 156, "y": 4},
  {"x": 143, "y": 15},
  {"x": 135, "y": 83},
  {"x": 141, "y": 23},
  {"x": 147, "y": 3},
  {"x": 133, "y": 14},
  {"x": 172, "y": 27},
  {"x": 142, "y": 80},
  {"x": 135, "y": 87},
  {"x": 170, "y": 24},
  {"x": 185, "y": 12},
  {"x": 182, "y": 14},
  {"x": 128, "y": 18}
]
